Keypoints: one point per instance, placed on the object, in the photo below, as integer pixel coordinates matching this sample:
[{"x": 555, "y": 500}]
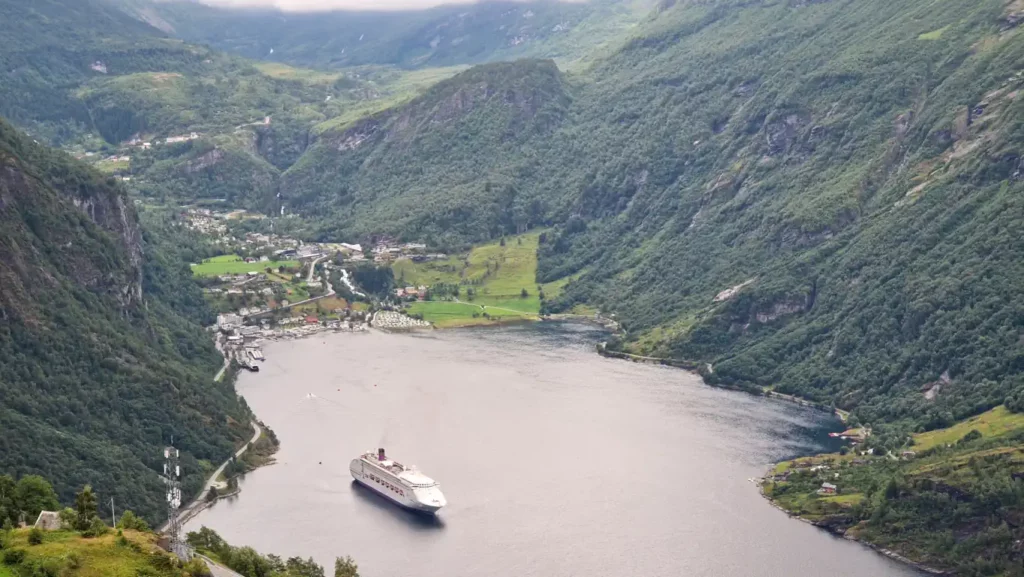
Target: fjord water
[{"x": 555, "y": 461}]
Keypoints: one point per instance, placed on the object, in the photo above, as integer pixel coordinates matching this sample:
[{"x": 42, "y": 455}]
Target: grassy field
[
  {"x": 844, "y": 500},
  {"x": 994, "y": 423},
  {"x": 446, "y": 314},
  {"x": 112, "y": 166},
  {"x": 285, "y": 72},
  {"x": 233, "y": 264},
  {"x": 96, "y": 557},
  {"x": 497, "y": 274},
  {"x": 320, "y": 308},
  {"x": 396, "y": 87}
]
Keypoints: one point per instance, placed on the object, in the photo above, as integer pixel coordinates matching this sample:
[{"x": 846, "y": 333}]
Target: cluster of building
[
  {"x": 386, "y": 251},
  {"x": 146, "y": 144},
  {"x": 205, "y": 221},
  {"x": 393, "y": 320},
  {"x": 414, "y": 292},
  {"x": 243, "y": 342},
  {"x": 255, "y": 284}
]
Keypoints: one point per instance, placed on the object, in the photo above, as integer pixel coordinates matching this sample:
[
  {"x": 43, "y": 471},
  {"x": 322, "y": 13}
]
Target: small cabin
[
  {"x": 48, "y": 521},
  {"x": 827, "y": 489}
]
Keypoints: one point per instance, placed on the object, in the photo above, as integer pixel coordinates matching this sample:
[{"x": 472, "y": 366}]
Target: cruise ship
[{"x": 403, "y": 485}]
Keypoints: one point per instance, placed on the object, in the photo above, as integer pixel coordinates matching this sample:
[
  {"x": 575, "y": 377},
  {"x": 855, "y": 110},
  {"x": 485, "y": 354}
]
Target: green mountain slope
[
  {"x": 849, "y": 168},
  {"x": 441, "y": 36},
  {"x": 853, "y": 163},
  {"x": 51, "y": 47},
  {"x": 102, "y": 359},
  {"x": 954, "y": 504},
  {"x": 441, "y": 166},
  {"x": 87, "y": 76}
]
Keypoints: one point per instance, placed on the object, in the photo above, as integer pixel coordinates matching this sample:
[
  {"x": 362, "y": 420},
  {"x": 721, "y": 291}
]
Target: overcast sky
[{"x": 313, "y": 5}]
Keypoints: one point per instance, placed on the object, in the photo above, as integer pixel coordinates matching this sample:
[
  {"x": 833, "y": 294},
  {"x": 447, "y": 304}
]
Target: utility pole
[{"x": 113, "y": 516}]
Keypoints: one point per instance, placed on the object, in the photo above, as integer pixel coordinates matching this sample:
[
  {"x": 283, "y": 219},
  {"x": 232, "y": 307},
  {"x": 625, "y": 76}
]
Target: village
[{"x": 268, "y": 287}]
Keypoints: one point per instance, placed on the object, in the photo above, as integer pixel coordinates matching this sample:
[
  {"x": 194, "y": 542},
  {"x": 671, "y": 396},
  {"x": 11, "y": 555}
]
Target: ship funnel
[{"x": 380, "y": 454}]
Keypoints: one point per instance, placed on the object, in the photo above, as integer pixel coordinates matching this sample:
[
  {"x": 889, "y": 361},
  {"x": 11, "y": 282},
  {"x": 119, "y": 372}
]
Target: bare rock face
[
  {"x": 62, "y": 226},
  {"x": 781, "y": 133},
  {"x": 117, "y": 216},
  {"x": 204, "y": 161}
]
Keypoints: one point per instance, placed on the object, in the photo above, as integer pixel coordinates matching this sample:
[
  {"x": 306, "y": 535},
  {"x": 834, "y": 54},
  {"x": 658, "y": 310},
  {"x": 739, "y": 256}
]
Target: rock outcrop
[{"x": 63, "y": 226}]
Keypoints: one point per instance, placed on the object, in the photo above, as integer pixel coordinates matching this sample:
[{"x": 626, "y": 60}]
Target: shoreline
[
  {"x": 199, "y": 504},
  {"x": 694, "y": 368},
  {"x": 845, "y": 534}
]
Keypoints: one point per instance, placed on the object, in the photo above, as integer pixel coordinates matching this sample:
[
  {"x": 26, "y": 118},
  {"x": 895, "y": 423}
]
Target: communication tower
[{"x": 172, "y": 478}]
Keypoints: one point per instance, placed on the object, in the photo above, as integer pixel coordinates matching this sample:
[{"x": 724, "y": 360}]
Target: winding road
[
  {"x": 312, "y": 268},
  {"x": 196, "y": 504}
]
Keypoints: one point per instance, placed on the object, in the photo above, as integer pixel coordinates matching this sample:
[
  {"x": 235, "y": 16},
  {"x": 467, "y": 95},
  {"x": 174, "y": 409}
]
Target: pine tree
[{"x": 85, "y": 506}]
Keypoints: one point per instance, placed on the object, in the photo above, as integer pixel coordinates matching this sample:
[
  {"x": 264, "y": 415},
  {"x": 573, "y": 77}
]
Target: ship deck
[{"x": 400, "y": 471}]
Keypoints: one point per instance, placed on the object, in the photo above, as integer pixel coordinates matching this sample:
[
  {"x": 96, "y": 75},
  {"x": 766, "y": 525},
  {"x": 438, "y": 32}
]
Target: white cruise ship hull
[{"x": 382, "y": 484}]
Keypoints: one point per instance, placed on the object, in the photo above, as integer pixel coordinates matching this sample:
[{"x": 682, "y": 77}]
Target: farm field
[
  {"x": 994, "y": 423},
  {"x": 449, "y": 314},
  {"x": 497, "y": 273},
  {"x": 234, "y": 264}
]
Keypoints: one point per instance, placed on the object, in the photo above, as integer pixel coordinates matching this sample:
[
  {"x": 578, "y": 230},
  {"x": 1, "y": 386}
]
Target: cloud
[{"x": 327, "y": 5}]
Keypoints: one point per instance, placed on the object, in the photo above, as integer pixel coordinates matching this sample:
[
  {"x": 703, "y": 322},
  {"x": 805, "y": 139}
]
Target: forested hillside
[
  {"x": 103, "y": 359},
  {"x": 440, "y": 36},
  {"x": 849, "y": 168},
  {"x": 814, "y": 197},
  {"x": 443, "y": 167},
  {"x": 86, "y": 76},
  {"x": 853, "y": 165}
]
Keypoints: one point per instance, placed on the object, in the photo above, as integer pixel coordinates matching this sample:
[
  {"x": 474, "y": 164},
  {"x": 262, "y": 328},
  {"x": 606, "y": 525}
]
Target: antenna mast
[{"x": 172, "y": 478}]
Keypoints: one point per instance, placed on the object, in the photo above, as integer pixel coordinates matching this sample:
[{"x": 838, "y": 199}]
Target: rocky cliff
[
  {"x": 63, "y": 226},
  {"x": 95, "y": 377}
]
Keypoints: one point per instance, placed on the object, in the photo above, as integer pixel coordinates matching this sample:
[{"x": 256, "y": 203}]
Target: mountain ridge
[{"x": 98, "y": 371}]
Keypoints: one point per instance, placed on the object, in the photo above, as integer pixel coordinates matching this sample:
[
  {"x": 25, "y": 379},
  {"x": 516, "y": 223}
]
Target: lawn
[
  {"x": 934, "y": 34},
  {"x": 233, "y": 264},
  {"x": 306, "y": 75},
  {"x": 530, "y": 304},
  {"x": 848, "y": 500},
  {"x": 447, "y": 314},
  {"x": 994, "y": 423},
  {"x": 496, "y": 272},
  {"x": 324, "y": 306},
  {"x": 409, "y": 273},
  {"x": 492, "y": 270}
]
